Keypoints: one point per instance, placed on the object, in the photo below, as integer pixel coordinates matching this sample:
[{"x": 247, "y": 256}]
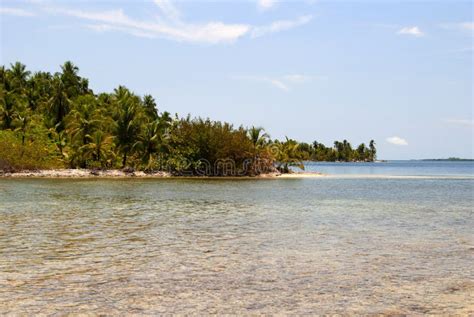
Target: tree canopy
[{"x": 55, "y": 121}]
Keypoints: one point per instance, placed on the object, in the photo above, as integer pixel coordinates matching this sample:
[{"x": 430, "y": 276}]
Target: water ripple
[{"x": 336, "y": 246}]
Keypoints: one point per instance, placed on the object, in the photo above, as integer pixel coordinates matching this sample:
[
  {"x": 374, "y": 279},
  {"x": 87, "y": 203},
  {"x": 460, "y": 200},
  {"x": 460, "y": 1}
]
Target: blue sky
[{"x": 398, "y": 72}]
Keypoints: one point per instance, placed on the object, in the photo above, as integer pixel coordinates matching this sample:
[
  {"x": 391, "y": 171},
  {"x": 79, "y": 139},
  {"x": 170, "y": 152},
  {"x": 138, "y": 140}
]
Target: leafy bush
[
  {"x": 211, "y": 148},
  {"x": 36, "y": 153}
]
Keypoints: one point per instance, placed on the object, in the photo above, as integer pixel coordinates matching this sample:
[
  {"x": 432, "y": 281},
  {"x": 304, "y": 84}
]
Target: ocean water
[
  {"x": 296, "y": 246},
  {"x": 395, "y": 168}
]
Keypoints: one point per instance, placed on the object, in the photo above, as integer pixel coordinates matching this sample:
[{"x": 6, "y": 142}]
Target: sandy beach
[
  {"x": 83, "y": 173},
  {"x": 86, "y": 173},
  {"x": 117, "y": 174}
]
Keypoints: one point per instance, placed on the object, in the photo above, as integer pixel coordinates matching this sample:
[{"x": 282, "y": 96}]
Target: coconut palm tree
[
  {"x": 373, "y": 150},
  {"x": 59, "y": 104},
  {"x": 128, "y": 125},
  {"x": 59, "y": 138},
  {"x": 8, "y": 111},
  {"x": 99, "y": 148},
  {"x": 259, "y": 140},
  {"x": 150, "y": 107},
  {"x": 19, "y": 76},
  {"x": 21, "y": 122},
  {"x": 288, "y": 154},
  {"x": 70, "y": 79},
  {"x": 39, "y": 89},
  {"x": 361, "y": 150},
  {"x": 84, "y": 119},
  {"x": 258, "y": 136},
  {"x": 149, "y": 141}
]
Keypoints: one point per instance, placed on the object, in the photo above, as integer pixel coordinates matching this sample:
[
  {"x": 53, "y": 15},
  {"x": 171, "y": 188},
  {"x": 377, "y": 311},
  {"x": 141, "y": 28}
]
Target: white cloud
[
  {"x": 284, "y": 82},
  {"x": 112, "y": 16},
  {"x": 117, "y": 20},
  {"x": 279, "y": 26},
  {"x": 108, "y": 27},
  {"x": 396, "y": 140},
  {"x": 461, "y": 122},
  {"x": 265, "y": 4},
  {"x": 16, "y": 12},
  {"x": 413, "y": 30},
  {"x": 171, "y": 26}
]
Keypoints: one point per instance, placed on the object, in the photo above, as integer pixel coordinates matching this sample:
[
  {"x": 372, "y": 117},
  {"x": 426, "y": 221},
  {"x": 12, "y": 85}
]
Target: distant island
[
  {"x": 450, "y": 159},
  {"x": 55, "y": 121}
]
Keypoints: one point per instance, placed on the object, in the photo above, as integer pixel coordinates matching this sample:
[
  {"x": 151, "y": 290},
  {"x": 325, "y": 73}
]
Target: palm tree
[
  {"x": 7, "y": 108},
  {"x": 84, "y": 119},
  {"x": 3, "y": 75},
  {"x": 258, "y": 136},
  {"x": 259, "y": 140},
  {"x": 361, "y": 150},
  {"x": 19, "y": 76},
  {"x": 59, "y": 104},
  {"x": 59, "y": 138},
  {"x": 121, "y": 92},
  {"x": 128, "y": 126},
  {"x": 150, "y": 141},
  {"x": 99, "y": 148},
  {"x": 347, "y": 151},
  {"x": 39, "y": 89},
  {"x": 373, "y": 150},
  {"x": 289, "y": 155},
  {"x": 150, "y": 107},
  {"x": 70, "y": 79},
  {"x": 22, "y": 122}
]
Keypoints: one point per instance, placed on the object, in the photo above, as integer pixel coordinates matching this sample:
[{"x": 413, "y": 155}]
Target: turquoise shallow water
[
  {"x": 325, "y": 245},
  {"x": 395, "y": 168}
]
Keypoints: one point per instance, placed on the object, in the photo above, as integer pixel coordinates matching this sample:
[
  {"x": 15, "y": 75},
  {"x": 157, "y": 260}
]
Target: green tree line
[
  {"x": 57, "y": 121},
  {"x": 340, "y": 152}
]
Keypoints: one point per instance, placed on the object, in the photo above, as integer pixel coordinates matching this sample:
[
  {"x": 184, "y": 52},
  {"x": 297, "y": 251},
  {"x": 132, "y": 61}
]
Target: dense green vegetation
[
  {"x": 56, "y": 121},
  {"x": 450, "y": 159},
  {"x": 342, "y": 152}
]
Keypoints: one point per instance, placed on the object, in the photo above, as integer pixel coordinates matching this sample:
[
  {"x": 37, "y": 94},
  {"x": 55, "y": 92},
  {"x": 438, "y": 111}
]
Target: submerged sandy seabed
[
  {"x": 85, "y": 173},
  {"x": 246, "y": 247}
]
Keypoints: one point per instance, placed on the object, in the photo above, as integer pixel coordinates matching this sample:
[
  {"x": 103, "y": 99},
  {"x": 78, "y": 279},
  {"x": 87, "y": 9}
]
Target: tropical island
[
  {"x": 449, "y": 159},
  {"x": 55, "y": 121}
]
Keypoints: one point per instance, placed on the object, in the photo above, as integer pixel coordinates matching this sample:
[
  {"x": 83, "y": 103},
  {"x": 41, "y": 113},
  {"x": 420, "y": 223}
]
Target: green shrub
[
  {"x": 36, "y": 152},
  {"x": 225, "y": 149}
]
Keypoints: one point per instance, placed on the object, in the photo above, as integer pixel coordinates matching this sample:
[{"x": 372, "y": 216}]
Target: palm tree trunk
[{"x": 124, "y": 160}]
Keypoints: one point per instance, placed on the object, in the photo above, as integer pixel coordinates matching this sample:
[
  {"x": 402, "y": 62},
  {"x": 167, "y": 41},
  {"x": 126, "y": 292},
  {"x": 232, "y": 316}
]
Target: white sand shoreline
[
  {"x": 82, "y": 173},
  {"x": 86, "y": 173},
  {"x": 119, "y": 174}
]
